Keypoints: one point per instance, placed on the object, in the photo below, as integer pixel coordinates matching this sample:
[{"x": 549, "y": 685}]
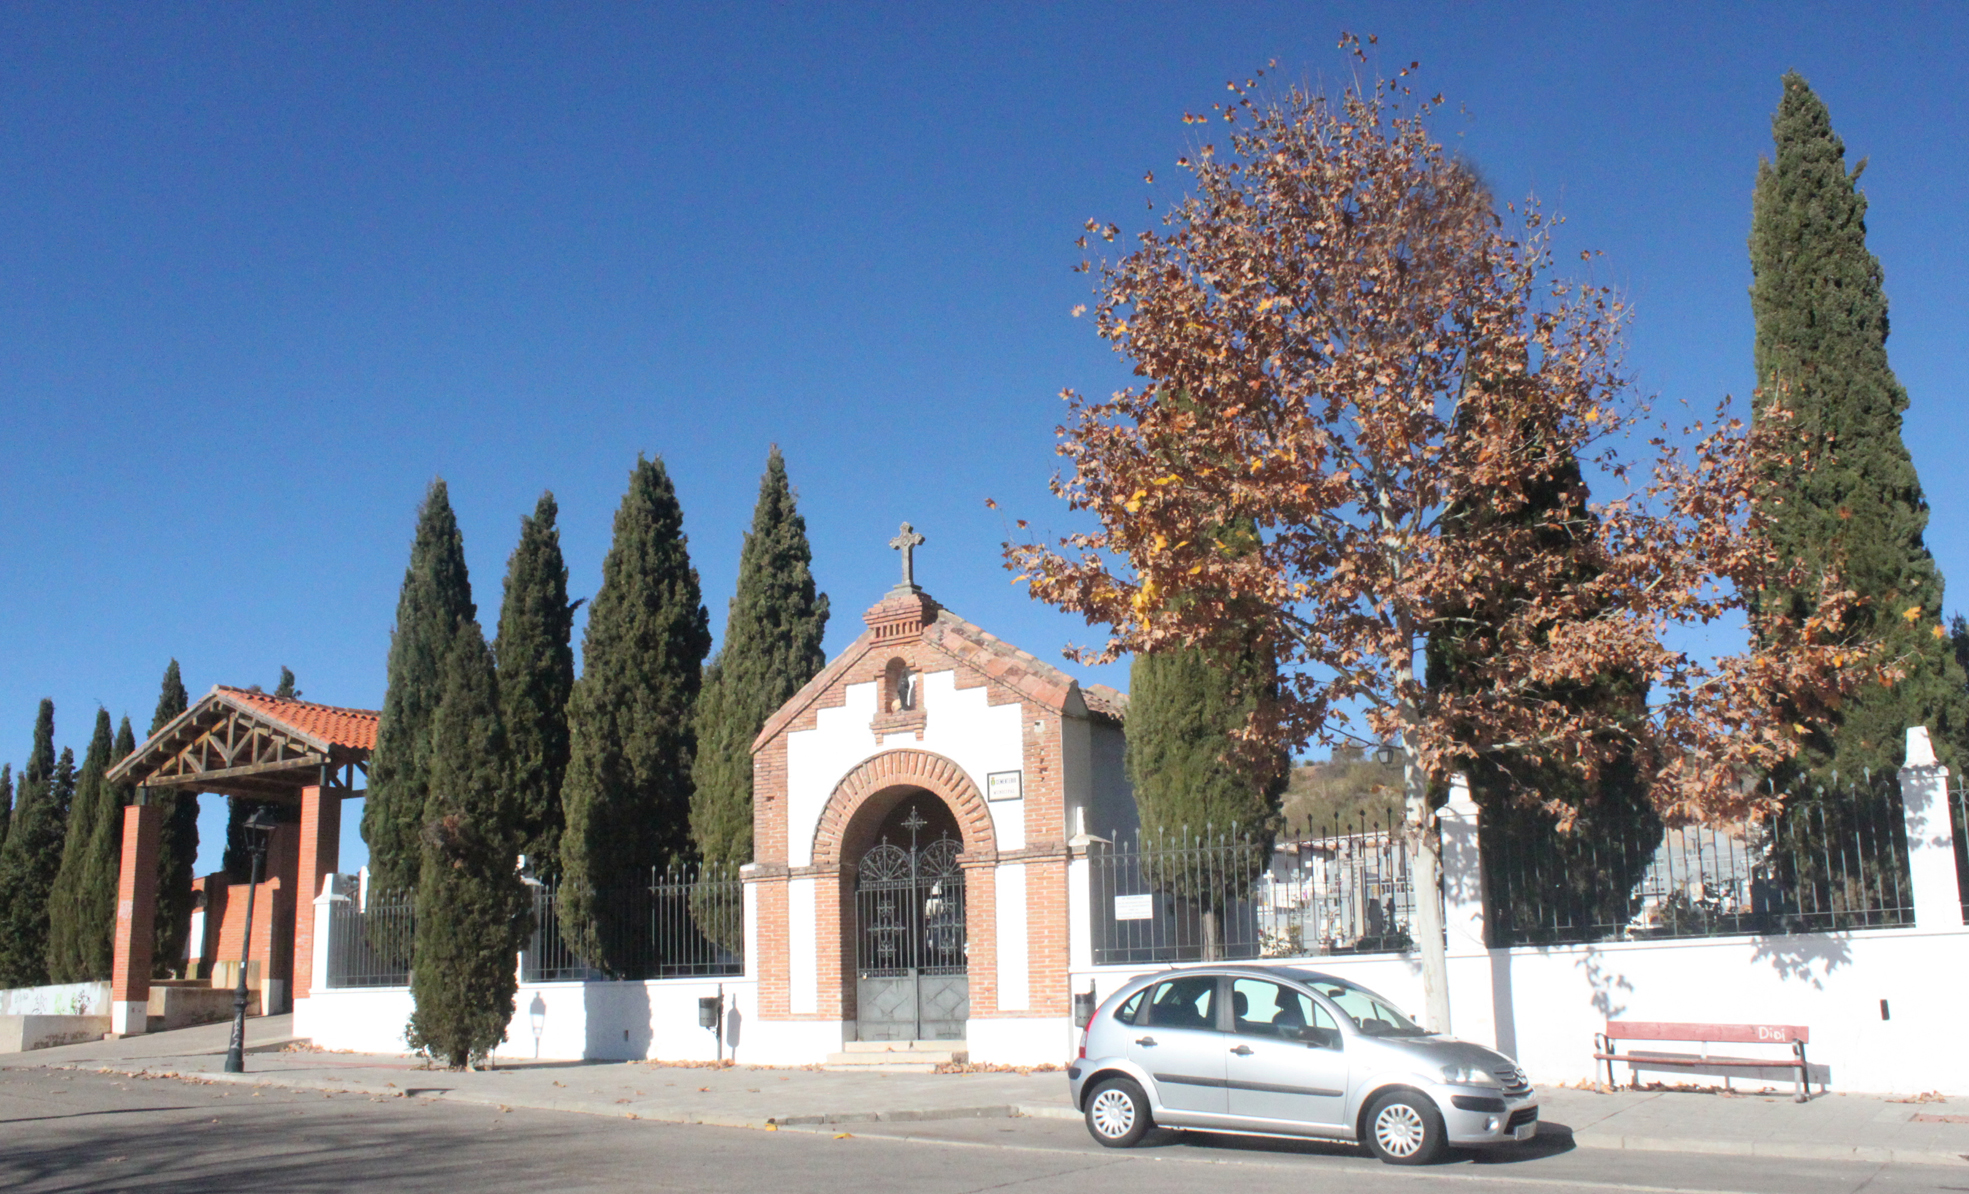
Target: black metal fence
[
  {"x": 1829, "y": 862},
  {"x": 682, "y": 924},
  {"x": 1226, "y": 896},
  {"x": 369, "y": 945}
]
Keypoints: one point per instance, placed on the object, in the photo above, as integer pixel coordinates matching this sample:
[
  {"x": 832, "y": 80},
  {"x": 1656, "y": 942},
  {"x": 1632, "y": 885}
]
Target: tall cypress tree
[
  {"x": 6, "y": 801},
  {"x": 471, "y": 905},
  {"x": 1822, "y": 352},
  {"x": 106, "y": 857},
  {"x": 177, "y": 839},
  {"x": 30, "y": 859},
  {"x": 535, "y": 656},
  {"x": 1534, "y": 871},
  {"x": 435, "y": 601},
  {"x": 631, "y": 741},
  {"x": 285, "y": 690},
  {"x": 772, "y": 646},
  {"x": 1191, "y": 785},
  {"x": 79, "y": 915}
]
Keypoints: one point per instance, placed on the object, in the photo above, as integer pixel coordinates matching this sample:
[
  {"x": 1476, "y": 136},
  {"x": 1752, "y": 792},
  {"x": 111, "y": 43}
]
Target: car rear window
[{"x": 1127, "y": 1012}]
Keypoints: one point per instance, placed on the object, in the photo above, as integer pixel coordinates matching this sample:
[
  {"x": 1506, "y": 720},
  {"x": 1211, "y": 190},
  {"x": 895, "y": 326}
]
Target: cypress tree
[
  {"x": 79, "y": 914},
  {"x": 631, "y": 742},
  {"x": 1821, "y": 351},
  {"x": 772, "y": 646},
  {"x": 535, "y": 656},
  {"x": 30, "y": 859},
  {"x": 471, "y": 905},
  {"x": 1534, "y": 871},
  {"x": 177, "y": 839},
  {"x": 1191, "y": 785},
  {"x": 106, "y": 856},
  {"x": 6, "y": 801},
  {"x": 285, "y": 690},
  {"x": 435, "y": 601}
]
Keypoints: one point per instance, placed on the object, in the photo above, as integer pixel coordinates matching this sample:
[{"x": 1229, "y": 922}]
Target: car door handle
[
  {"x": 1145, "y": 1040},
  {"x": 1243, "y": 1050}
]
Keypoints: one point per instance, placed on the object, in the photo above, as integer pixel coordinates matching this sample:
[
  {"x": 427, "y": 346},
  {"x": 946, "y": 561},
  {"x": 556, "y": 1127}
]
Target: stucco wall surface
[
  {"x": 616, "y": 1021},
  {"x": 960, "y": 724}
]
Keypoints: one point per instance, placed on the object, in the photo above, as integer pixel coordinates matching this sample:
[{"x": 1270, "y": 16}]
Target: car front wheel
[
  {"x": 1118, "y": 1113},
  {"x": 1404, "y": 1128}
]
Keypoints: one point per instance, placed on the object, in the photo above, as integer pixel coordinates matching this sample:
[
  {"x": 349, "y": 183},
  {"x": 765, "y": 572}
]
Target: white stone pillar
[
  {"x": 749, "y": 873},
  {"x": 1080, "y": 897},
  {"x": 332, "y": 892},
  {"x": 1463, "y": 872},
  {"x": 1930, "y": 838},
  {"x": 1470, "y": 991}
]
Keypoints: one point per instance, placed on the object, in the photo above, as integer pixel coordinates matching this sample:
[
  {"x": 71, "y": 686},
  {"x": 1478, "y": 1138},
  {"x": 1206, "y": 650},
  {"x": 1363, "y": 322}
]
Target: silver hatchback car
[{"x": 1289, "y": 1052}]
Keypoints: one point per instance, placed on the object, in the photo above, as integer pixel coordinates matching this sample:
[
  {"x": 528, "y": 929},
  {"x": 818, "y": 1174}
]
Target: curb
[{"x": 1799, "y": 1151}]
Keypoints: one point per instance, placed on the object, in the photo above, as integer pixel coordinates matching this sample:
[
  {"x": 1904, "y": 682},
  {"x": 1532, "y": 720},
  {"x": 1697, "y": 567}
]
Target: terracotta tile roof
[
  {"x": 972, "y": 647},
  {"x": 1022, "y": 671},
  {"x": 333, "y": 726},
  {"x": 1103, "y": 701}
]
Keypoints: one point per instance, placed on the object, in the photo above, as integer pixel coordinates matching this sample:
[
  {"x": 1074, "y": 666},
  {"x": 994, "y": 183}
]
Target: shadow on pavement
[
  {"x": 41, "y": 1119},
  {"x": 1552, "y": 1140}
]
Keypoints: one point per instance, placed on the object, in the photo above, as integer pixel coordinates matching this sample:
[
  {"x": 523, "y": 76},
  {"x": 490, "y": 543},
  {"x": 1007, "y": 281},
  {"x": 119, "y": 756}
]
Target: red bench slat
[{"x": 1736, "y": 1034}]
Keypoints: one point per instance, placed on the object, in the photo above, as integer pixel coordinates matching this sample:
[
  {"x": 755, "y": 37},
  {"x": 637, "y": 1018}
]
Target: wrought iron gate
[{"x": 910, "y": 952}]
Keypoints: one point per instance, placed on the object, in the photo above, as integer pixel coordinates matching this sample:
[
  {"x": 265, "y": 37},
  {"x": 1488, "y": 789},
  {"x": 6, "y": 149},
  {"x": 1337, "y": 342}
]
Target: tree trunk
[
  {"x": 1425, "y": 873},
  {"x": 1213, "y": 933}
]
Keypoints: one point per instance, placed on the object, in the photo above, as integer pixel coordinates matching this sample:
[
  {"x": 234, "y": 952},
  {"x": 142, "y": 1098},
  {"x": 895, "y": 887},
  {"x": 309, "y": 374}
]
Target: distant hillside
[{"x": 1341, "y": 790}]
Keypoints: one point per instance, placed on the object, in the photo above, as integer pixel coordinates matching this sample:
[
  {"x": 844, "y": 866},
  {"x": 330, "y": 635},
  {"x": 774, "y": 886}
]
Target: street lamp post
[{"x": 259, "y": 828}]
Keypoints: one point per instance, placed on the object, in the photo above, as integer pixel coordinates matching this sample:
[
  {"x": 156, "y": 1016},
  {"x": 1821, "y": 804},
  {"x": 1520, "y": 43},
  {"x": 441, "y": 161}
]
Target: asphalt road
[{"x": 68, "y": 1131}]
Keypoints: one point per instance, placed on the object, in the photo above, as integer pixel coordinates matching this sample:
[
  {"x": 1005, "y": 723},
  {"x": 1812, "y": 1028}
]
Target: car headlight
[{"x": 1468, "y": 1075}]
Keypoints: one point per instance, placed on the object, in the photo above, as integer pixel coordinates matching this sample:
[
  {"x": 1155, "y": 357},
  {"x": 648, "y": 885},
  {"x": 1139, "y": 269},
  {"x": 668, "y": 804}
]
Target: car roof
[{"x": 1292, "y": 973}]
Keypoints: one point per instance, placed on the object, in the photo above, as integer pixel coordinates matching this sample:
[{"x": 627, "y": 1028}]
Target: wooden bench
[{"x": 1704, "y": 1035}]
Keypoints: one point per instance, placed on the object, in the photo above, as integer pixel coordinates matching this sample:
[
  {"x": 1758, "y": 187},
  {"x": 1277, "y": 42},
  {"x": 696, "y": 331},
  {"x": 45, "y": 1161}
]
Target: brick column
[
  {"x": 136, "y": 914},
  {"x": 321, "y": 840}
]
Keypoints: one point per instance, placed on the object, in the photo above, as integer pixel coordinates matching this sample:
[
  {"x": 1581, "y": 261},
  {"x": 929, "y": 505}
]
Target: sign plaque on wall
[
  {"x": 1134, "y": 907},
  {"x": 1004, "y": 785}
]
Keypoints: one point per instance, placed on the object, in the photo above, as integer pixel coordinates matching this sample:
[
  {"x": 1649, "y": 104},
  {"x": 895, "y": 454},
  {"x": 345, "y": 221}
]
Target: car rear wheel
[
  {"x": 1404, "y": 1128},
  {"x": 1118, "y": 1113}
]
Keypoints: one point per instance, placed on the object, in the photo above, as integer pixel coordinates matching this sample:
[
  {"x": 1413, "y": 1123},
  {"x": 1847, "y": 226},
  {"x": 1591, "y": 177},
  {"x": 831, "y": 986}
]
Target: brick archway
[
  {"x": 847, "y": 827},
  {"x": 889, "y": 775}
]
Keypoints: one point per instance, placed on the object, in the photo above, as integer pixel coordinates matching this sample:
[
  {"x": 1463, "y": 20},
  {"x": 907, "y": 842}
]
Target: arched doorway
[{"x": 912, "y": 979}]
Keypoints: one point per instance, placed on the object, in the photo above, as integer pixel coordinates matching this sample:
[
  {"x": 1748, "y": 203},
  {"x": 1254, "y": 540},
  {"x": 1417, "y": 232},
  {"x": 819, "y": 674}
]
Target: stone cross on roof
[{"x": 907, "y": 542}]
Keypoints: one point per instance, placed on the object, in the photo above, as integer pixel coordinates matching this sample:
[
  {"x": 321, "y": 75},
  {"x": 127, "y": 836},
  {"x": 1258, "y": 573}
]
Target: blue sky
[{"x": 266, "y": 270}]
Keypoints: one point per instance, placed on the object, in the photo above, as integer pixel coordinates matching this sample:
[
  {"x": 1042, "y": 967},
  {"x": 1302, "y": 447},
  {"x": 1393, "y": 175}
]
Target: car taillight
[{"x": 1083, "y": 1044}]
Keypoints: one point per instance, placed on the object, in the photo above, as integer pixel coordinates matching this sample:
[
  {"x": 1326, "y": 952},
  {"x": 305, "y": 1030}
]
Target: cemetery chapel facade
[{"x": 915, "y": 814}]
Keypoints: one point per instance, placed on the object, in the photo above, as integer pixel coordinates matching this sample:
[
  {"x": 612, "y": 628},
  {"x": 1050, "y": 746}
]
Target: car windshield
[{"x": 1369, "y": 1012}]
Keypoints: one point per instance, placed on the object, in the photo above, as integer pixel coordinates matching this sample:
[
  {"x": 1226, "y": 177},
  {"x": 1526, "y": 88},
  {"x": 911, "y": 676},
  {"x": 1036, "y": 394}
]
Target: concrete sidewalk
[{"x": 1830, "y": 1127}]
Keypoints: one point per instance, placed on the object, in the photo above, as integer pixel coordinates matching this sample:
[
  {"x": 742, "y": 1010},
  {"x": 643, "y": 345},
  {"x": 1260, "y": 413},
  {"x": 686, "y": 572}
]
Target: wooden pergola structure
[{"x": 303, "y": 756}]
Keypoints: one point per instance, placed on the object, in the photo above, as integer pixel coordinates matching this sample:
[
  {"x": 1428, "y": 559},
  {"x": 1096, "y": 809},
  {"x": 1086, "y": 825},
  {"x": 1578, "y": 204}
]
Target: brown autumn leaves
[{"x": 1342, "y": 344}]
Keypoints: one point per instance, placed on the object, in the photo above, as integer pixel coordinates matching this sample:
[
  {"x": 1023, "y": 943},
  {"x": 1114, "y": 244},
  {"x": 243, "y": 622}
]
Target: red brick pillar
[
  {"x": 136, "y": 914},
  {"x": 321, "y": 842}
]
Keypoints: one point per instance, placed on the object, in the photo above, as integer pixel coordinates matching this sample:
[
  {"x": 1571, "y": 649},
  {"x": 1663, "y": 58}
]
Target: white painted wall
[
  {"x": 596, "y": 1020},
  {"x": 803, "y": 947},
  {"x": 1014, "y": 953},
  {"x": 959, "y": 724},
  {"x": 1019, "y": 1040},
  {"x": 60, "y": 999},
  {"x": 1543, "y": 1005}
]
